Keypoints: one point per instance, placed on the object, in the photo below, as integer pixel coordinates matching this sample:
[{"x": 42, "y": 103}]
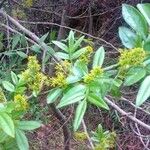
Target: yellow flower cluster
[
  {"x": 18, "y": 13},
  {"x": 2, "y": 96},
  {"x": 80, "y": 136},
  {"x": 59, "y": 80},
  {"x": 94, "y": 73},
  {"x": 21, "y": 102},
  {"x": 86, "y": 56},
  {"x": 28, "y": 3},
  {"x": 32, "y": 76},
  {"x": 131, "y": 57},
  {"x": 61, "y": 72},
  {"x": 64, "y": 66}
]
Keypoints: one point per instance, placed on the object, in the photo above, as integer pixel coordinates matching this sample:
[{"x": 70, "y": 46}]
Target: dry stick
[
  {"x": 136, "y": 125},
  {"x": 124, "y": 99},
  {"x": 15, "y": 31},
  {"x": 8, "y": 34},
  {"x": 89, "y": 139},
  {"x": 61, "y": 32},
  {"x": 127, "y": 114},
  {"x": 90, "y": 20},
  {"x": 55, "y": 24}
]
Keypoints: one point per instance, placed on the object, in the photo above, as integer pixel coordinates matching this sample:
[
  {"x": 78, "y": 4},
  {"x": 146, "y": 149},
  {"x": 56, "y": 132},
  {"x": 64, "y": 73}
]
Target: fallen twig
[{"x": 127, "y": 114}]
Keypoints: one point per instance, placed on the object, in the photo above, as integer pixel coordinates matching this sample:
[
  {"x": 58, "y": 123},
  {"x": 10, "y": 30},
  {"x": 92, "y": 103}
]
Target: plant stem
[
  {"x": 111, "y": 67},
  {"x": 67, "y": 135},
  {"x": 89, "y": 139}
]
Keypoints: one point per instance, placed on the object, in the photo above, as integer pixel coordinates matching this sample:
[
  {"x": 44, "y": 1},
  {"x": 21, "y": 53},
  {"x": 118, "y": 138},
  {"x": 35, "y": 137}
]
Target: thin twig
[
  {"x": 84, "y": 33},
  {"x": 89, "y": 139},
  {"x": 15, "y": 31},
  {"x": 127, "y": 114},
  {"x": 44, "y": 47},
  {"x": 124, "y": 99}
]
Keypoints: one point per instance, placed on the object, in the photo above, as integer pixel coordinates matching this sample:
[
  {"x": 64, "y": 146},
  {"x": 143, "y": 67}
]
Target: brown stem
[
  {"x": 67, "y": 134},
  {"x": 131, "y": 117},
  {"x": 90, "y": 20},
  {"x": 61, "y": 33}
]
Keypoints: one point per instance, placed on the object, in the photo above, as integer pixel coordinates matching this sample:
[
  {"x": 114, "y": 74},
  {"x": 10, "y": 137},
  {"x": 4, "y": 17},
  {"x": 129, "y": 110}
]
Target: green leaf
[
  {"x": 72, "y": 79},
  {"x": 97, "y": 100},
  {"x": 8, "y": 86},
  {"x": 50, "y": 50},
  {"x": 145, "y": 10},
  {"x": 14, "y": 77},
  {"x": 73, "y": 95},
  {"x": 10, "y": 144},
  {"x": 6, "y": 123},
  {"x": 99, "y": 57},
  {"x": 3, "y": 136},
  {"x": 22, "y": 140},
  {"x": 43, "y": 38},
  {"x": 28, "y": 125},
  {"x": 78, "y": 53},
  {"x": 71, "y": 39},
  {"x": 80, "y": 69},
  {"x": 22, "y": 54},
  {"x": 16, "y": 39},
  {"x": 135, "y": 19},
  {"x": 61, "y": 45},
  {"x": 53, "y": 35},
  {"x": 80, "y": 111},
  {"x": 37, "y": 48},
  {"x": 73, "y": 99},
  {"x": 1, "y": 46},
  {"x": 144, "y": 91},
  {"x": 62, "y": 55},
  {"x": 53, "y": 95},
  {"x": 146, "y": 46},
  {"x": 134, "y": 75},
  {"x": 23, "y": 41},
  {"x": 77, "y": 43},
  {"x": 128, "y": 38}
]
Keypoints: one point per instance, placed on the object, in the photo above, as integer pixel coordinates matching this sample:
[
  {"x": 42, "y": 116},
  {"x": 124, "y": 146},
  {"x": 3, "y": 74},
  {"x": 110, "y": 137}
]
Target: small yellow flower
[
  {"x": 62, "y": 69},
  {"x": 2, "y": 96},
  {"x": 132, "y": 57},
  {"x": 33, "y": 76},
  {"x": 28, "y": 3},
  {"x": 89, "y": 49},
  {"x": 59, "y": 80},
  {"x": 80, "y": 136},
  {"x": 21, "y": 102},
  {"x": 86, "y": 56},
  {"x": 37, "y": 82},
  {"x": 66, "y": 65},
  {"x": 33, "y": 63},
  {"x": 18, "y": 13},
  {"x": 94, "y": 73}
]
